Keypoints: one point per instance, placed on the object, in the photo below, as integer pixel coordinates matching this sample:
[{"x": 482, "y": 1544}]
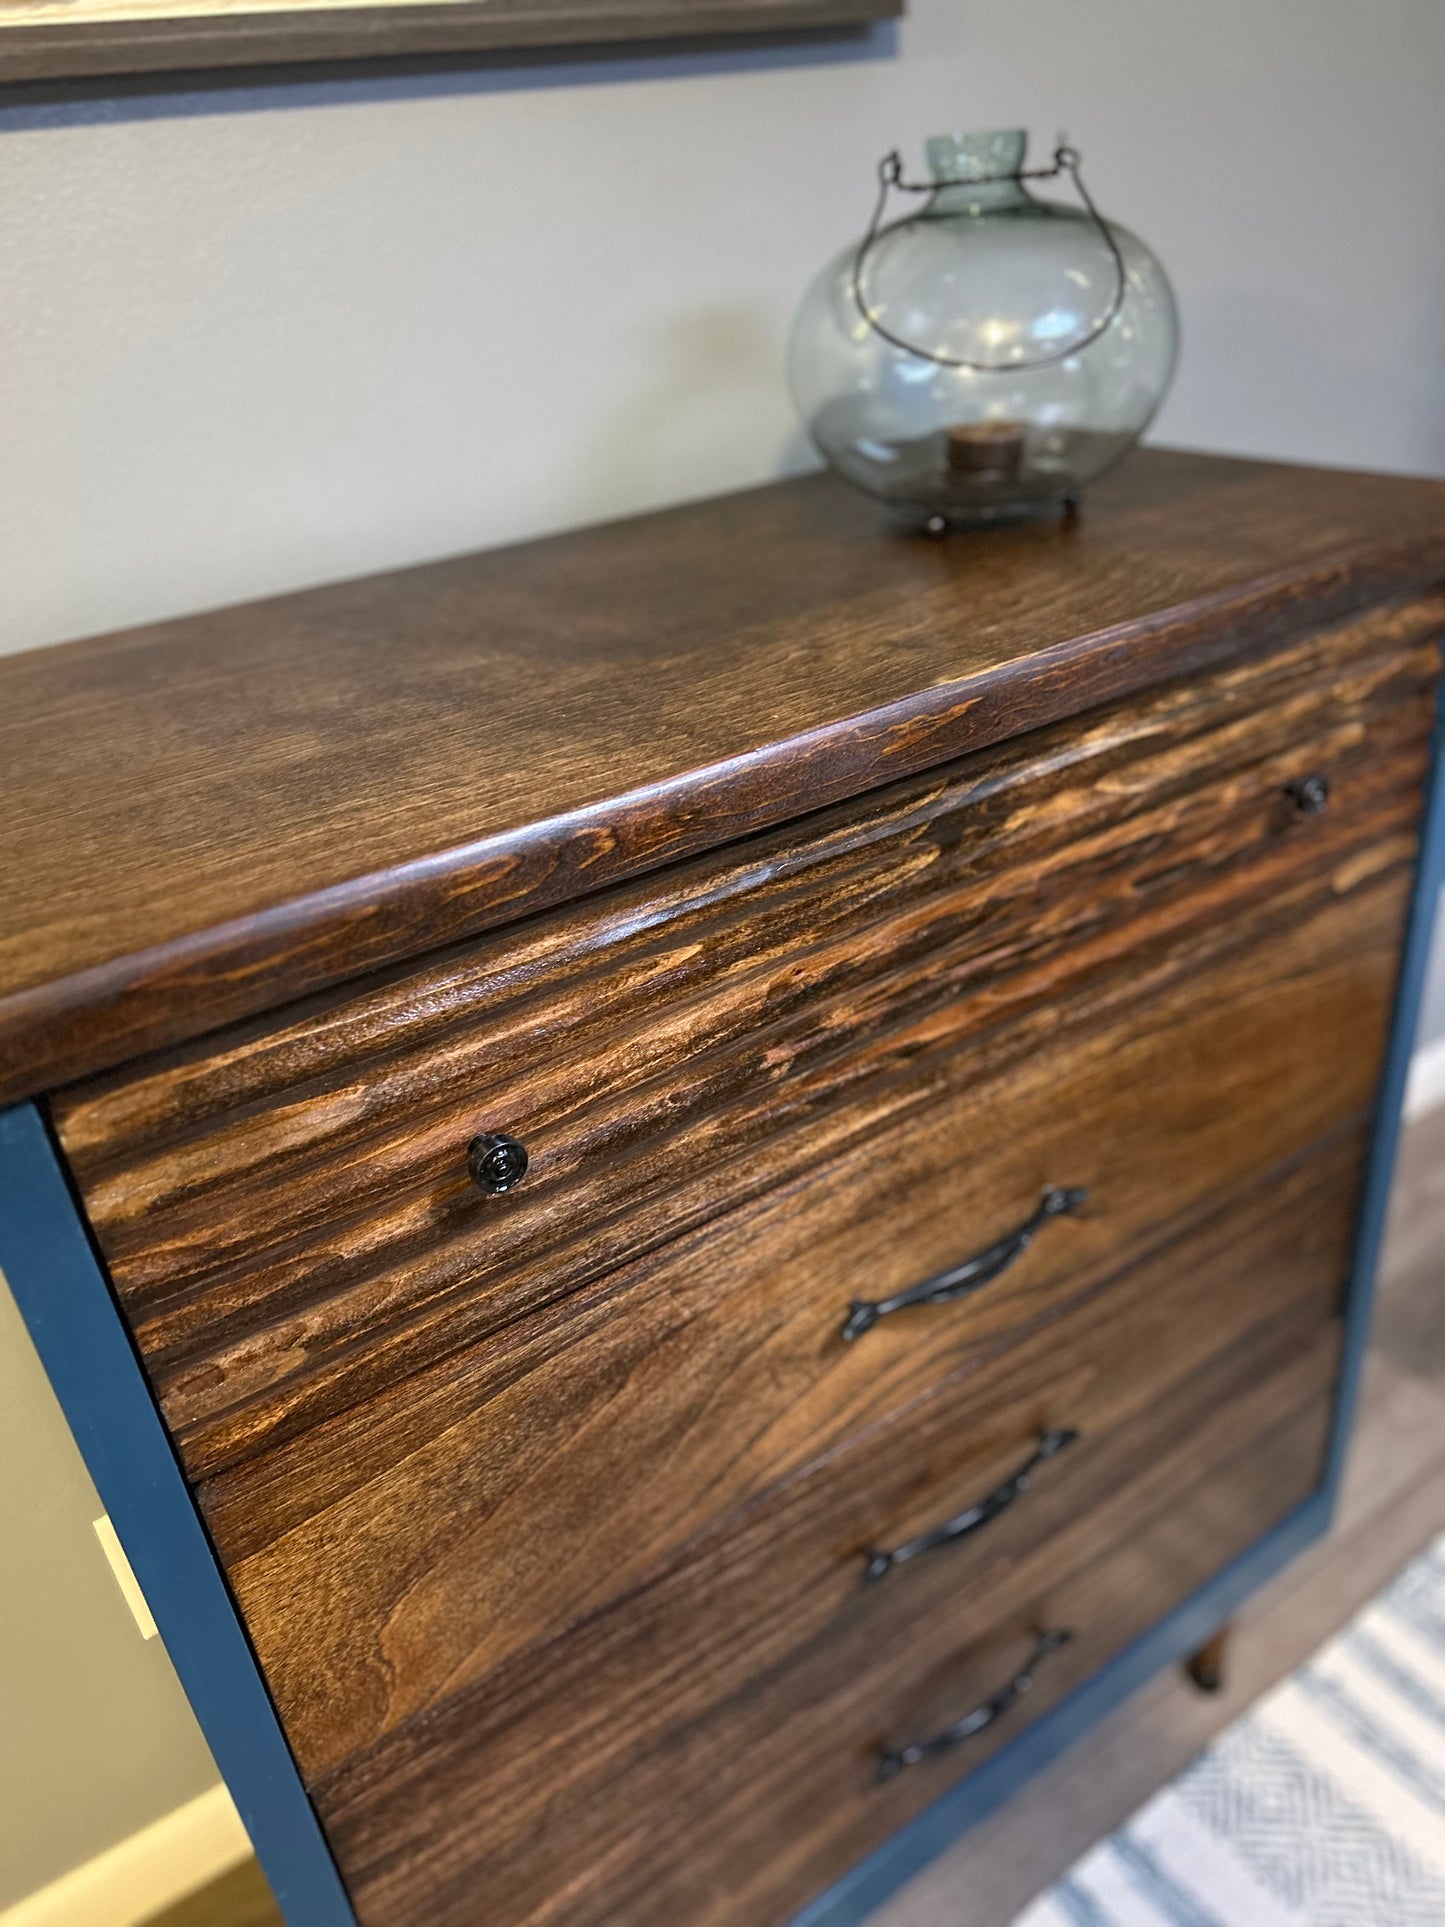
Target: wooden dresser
[{"x": 739, "y": 1154}]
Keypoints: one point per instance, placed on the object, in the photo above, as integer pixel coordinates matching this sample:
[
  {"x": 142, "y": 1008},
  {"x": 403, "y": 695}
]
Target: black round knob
[
  {"x": 1309, "y": 795},
  {"x": 497, "y": 1162}
]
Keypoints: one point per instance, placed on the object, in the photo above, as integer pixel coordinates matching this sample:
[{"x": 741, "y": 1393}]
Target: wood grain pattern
[
  {"x": 390, "y": 1553},
  {"x": 807, "y": 897},
  {"x": 510, "y": 1543},
  {"x": 680, "y": 1049},
  {"x": 334, "y": 781},
  {"x": 742, "y": 1776},
  {"x": 48, "y": 39}
]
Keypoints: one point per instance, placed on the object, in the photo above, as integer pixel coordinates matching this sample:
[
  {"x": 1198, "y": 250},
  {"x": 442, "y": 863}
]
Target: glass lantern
[{"x": 988, "y": 356}]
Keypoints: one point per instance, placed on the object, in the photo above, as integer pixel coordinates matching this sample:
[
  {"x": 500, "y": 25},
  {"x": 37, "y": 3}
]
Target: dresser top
[{"x": 211, "y": 816}]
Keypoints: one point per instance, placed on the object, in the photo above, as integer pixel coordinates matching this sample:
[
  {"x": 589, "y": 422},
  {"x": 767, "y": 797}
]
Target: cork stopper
[{"x": 992, "y": 449}]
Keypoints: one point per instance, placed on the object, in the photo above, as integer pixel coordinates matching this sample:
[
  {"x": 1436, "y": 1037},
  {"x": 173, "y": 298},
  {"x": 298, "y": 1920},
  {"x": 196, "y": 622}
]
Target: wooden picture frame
[{"x": 68, "y": 39}]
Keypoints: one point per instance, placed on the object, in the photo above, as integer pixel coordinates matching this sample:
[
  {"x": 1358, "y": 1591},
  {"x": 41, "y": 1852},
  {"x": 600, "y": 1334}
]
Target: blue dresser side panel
[{"x": 1389, "y": 1109}]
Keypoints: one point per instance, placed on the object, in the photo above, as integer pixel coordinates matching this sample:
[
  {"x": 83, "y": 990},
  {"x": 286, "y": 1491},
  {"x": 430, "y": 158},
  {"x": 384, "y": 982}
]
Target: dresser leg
[{"x": 1206, "y": 1667}]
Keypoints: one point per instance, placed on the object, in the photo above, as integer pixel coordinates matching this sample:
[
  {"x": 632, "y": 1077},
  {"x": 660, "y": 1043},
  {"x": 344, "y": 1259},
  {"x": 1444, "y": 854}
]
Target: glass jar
[{"x": 988, "y": 356}]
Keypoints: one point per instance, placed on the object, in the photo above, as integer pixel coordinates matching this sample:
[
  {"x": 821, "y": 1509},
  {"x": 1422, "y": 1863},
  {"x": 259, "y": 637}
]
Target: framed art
[{"x": 60, "y": 39}]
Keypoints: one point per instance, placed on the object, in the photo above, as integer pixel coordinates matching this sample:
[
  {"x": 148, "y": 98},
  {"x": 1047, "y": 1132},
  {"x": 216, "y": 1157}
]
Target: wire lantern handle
[{"x": 890, "y": 178}]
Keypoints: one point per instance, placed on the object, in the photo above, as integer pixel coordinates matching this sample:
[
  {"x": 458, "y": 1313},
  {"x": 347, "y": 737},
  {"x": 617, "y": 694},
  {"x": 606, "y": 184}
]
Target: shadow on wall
[{"x": 714, "y": 375}]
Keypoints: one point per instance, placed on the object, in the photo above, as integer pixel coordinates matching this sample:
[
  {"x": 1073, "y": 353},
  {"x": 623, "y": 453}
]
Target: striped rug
[{"x": 1324, "y": 1806}]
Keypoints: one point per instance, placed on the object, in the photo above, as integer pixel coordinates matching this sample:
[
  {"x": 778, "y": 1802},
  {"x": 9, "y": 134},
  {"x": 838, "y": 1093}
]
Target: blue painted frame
[
  {"x": 66, "y": 1301},
  {"x": 1390, "y": 1106},
  {"x": 855, "y": 1896},
  {"x": 75, "y": 1324}
]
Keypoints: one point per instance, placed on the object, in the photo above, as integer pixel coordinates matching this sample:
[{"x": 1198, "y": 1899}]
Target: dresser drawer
[
  {"x": 775, "y": 1574},
  {"x": 286, "y": 1208},
  {"x": 495, "y": 1499},
  {"x": 709, "y": 1749},
  {"x": 1167, "y": 1548}
]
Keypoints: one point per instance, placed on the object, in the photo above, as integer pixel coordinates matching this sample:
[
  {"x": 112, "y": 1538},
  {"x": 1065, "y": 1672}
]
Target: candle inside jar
[{"x": 986, "y": 449}]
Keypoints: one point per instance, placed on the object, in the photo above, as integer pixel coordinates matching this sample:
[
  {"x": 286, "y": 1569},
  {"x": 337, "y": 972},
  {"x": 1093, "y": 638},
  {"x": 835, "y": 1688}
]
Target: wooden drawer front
[
  {"x": 501, "y": 1495},
  {"x": 707, "y": 1751},
  {"x": 286, "y": 1209}
]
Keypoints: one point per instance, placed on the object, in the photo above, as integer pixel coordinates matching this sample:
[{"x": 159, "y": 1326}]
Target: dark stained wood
[
  {"x": 462, "y": 1500},
  {"x": 927, "y": 1168},
  {"x": 101, "y": 40},
  {"x": 807, "y": 897},
  {"x": 1206, "y": 1667},
  {"x": 680, "y": 1049},
  {"x": 1391, "y": 1508},
  {"x": 1197, "y": 772},
  {"x": 742, "y": 1775},
  {"x": 519, "y": 1548},
  {"x": 1393, "y": 1505},
  {"x": 208, "y": 817}
]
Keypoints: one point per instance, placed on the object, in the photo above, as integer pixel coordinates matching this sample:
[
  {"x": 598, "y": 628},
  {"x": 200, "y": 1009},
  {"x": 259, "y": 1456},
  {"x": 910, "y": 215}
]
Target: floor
[
  {"x": 1320, "y": 1807},
  {"x": 1393, "y": 1504}
]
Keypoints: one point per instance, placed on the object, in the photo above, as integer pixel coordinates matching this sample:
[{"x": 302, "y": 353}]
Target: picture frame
[{"x": 75, "y": 39}]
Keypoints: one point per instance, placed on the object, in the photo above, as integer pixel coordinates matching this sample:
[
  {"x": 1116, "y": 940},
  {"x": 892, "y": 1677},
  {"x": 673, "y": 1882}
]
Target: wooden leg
[{"x": 1206, "y": 1667}]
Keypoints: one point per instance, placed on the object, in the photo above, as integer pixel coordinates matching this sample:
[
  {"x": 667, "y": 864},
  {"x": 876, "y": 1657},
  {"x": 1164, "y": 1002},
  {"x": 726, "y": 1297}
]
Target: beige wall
[
  {"x": 96, "y": 1737},
  {"x": 253, "y": 339}
]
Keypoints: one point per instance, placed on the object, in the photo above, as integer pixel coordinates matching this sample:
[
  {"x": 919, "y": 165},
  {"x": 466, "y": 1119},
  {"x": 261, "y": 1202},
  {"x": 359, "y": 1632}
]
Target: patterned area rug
[{"x": 1323, "y": 1806}]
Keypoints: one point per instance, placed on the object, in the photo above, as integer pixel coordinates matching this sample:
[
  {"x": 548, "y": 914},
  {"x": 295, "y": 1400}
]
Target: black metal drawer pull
[
  {"x": 496, "y": 1162},
  {"x": 1310, "y": 794},
  {"x": 892, "y": 1761},
  {"x": 969, "y": 1277},
  {"x": 999, "y": 1500}
]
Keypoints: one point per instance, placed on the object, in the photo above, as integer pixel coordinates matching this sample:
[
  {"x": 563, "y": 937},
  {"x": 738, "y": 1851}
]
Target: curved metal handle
[
  {"x": 890, "y": 176},
  {"x": 999, "y": 1500},
  {"x": 893, "y": 1760},
  {"x": 973, "y": 1274}
]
